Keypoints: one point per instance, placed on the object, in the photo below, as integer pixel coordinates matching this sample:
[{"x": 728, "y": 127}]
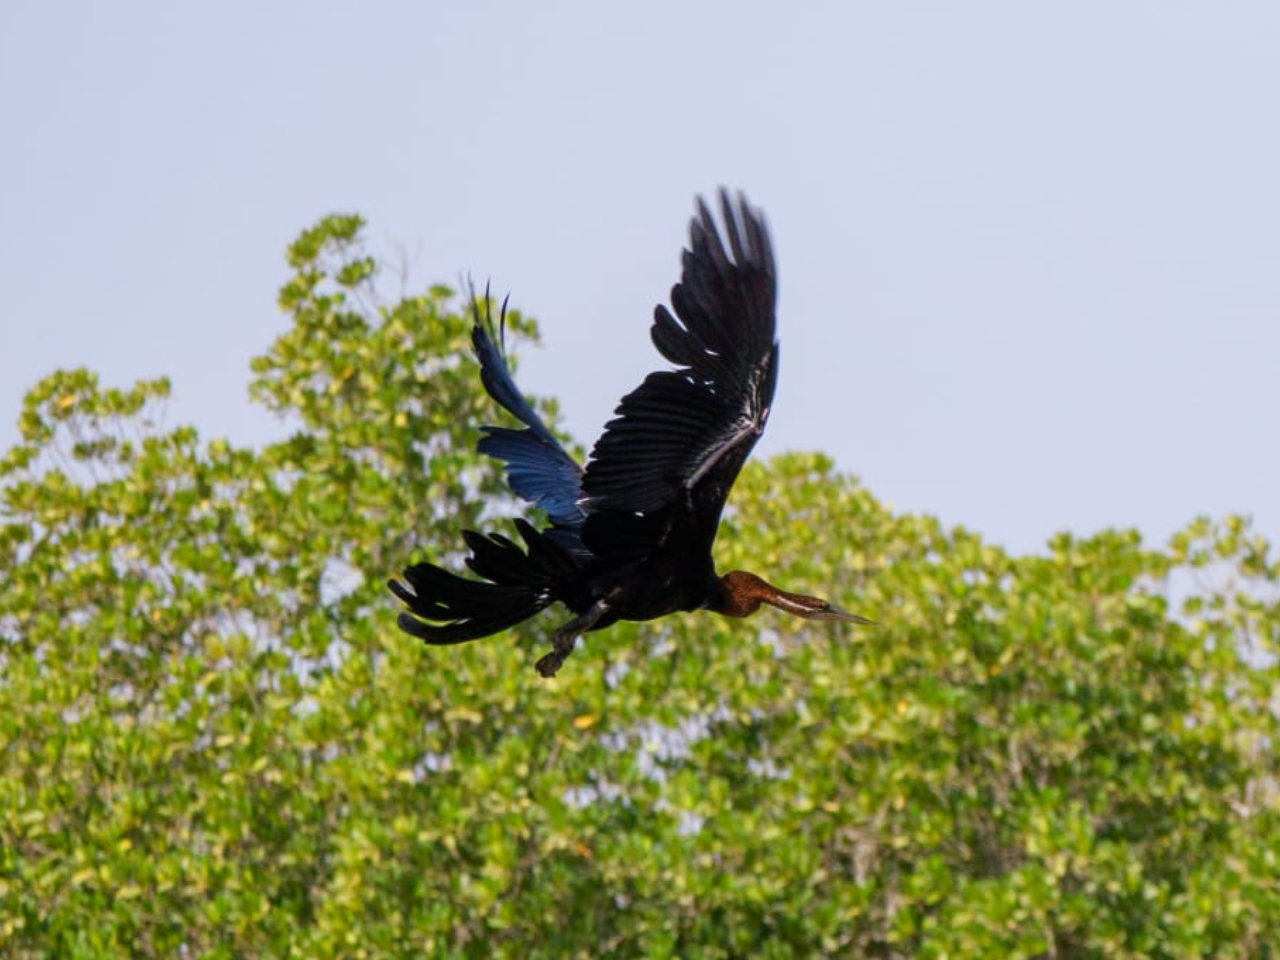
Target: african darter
[{"x": 630, "y": 536}]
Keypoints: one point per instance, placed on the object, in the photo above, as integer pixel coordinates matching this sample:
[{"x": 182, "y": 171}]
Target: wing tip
[{"x": 745, "y": 228}]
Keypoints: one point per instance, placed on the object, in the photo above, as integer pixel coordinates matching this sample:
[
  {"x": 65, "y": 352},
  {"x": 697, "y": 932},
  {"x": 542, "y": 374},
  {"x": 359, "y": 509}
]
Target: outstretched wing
[
  {"x": 539, "y": 469},
  {"x": 680, "y": 438}
]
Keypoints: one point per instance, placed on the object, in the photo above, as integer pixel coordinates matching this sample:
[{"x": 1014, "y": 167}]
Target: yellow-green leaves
[{"x": 215, "y": 743}]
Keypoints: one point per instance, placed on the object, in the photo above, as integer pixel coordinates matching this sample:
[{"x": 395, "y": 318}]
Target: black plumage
[{"x": 630, "y": 537}]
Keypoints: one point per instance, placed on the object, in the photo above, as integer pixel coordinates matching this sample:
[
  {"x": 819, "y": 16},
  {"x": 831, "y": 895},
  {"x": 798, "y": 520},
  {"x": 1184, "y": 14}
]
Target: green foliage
[{"x": 215, "y": 743}]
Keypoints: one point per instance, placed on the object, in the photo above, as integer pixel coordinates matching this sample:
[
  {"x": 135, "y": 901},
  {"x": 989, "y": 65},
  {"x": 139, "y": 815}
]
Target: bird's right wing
[{"x": 680, "y": 438}]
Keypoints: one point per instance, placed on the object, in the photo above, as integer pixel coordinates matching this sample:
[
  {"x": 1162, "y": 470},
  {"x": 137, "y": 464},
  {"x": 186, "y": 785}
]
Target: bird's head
[{"x": 743, "y": 593}]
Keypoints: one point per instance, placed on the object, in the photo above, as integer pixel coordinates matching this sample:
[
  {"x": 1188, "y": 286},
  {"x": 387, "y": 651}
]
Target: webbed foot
[
  {"x": 562, "y": 646},
  {"x": 562, "y": 640}
]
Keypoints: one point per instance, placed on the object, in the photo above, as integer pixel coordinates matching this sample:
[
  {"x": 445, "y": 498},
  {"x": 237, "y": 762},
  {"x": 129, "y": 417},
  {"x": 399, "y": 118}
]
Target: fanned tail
[{"x": 447, "y": 609}]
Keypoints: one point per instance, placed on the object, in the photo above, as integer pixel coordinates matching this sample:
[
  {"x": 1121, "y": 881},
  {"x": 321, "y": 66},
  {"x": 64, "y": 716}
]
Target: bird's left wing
[
  {"x": 539, "y": 469},
  {"x": 679, "y": 439}
]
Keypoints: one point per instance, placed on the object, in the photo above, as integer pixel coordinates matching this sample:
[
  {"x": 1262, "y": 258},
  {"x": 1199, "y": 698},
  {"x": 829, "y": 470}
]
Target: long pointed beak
[{"x": 832, "y": 612}]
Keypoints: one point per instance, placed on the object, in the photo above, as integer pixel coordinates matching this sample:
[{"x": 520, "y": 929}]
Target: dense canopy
[{"x": 215, "y": 743}]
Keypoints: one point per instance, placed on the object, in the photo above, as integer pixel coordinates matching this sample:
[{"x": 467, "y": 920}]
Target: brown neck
[{"x": 744, "y": 592}]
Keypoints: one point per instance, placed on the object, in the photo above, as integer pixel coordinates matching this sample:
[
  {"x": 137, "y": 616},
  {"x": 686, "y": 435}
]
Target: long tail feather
[{"x": 444, "y": 608}]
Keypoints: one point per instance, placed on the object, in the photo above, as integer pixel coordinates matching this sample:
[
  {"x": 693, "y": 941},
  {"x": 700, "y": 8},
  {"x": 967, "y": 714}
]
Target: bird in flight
[{"x": 630, "y": 535}]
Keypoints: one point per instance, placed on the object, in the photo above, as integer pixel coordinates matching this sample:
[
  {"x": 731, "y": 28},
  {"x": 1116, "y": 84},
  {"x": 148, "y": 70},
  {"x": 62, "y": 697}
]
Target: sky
[{"x": 1029, "y": 254}]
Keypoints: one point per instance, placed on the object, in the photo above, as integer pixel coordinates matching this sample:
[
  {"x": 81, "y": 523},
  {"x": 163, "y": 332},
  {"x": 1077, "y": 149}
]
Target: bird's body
[
  {"x": 630, "y": 536},
  {"x": 642, "y": 589}
]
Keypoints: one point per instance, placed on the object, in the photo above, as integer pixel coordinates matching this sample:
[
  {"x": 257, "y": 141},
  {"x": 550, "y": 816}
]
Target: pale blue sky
[{"x": 1029, "y": 252}]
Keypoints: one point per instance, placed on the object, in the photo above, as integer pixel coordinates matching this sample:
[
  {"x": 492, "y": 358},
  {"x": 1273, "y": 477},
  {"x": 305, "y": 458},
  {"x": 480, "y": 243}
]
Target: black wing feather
[
  {"x": 679, "y": 439},
  {"x": 539, "y": 469}
]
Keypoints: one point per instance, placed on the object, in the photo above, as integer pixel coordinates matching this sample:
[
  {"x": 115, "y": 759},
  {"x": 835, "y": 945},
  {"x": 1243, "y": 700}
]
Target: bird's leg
[{"x": 562, "y": 639}]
